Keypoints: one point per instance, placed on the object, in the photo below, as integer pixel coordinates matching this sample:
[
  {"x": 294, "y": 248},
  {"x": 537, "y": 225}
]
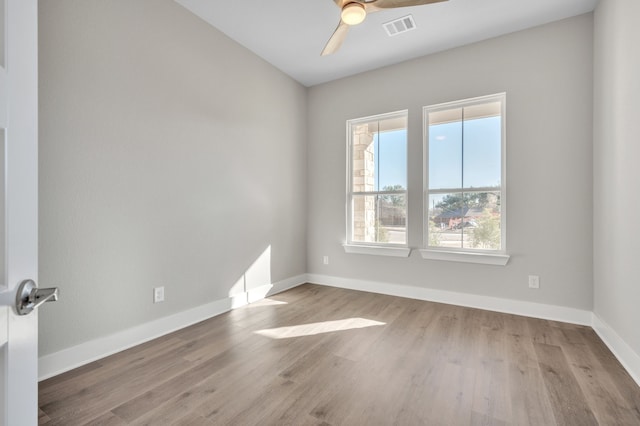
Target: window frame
[
  {"x": 497, "y": 257},
  {"x": 366, "y": 247}
]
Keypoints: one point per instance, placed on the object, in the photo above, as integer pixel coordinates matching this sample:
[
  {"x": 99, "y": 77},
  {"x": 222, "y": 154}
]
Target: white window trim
[
  {"x": 377, "y": 250},
  {"x": 381, "y": 249},
  {"x": 488, "y": 258},
  {"x": 498, "y": 257}
]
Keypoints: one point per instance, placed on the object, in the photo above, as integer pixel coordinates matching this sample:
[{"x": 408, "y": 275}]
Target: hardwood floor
[{"x": 326, "y": 356}]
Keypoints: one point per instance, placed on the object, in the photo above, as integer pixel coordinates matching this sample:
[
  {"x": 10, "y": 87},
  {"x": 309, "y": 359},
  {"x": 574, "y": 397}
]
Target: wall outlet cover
[
  {"x": 534, "y": 281},
  {"x": 158, "y": 294}
]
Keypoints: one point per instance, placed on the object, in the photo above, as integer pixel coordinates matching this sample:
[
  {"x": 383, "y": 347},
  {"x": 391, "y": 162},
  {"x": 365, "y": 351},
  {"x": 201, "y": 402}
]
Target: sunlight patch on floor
[
  {"x": 266, "y": 302},
  {"x": 318, "y": 328}
]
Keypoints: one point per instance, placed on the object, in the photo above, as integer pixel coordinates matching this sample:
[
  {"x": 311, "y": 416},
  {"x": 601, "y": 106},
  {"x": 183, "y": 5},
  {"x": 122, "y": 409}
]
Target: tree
[
  {"x": 487, "y": 234},
  {"x": 434, "y": 234},
  {"x": 382, "y": 235},
  {"x": 452, "y": 202},
  {"x": 399, "y": 200}
]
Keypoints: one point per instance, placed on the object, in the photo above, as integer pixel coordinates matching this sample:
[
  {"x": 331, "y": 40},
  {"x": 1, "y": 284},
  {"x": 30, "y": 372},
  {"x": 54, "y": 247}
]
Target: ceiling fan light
[{"x": 353, "y": 14}]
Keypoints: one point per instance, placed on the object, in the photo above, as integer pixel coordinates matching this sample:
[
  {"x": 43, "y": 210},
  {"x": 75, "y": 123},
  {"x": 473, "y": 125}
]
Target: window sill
[
  {"x": 461, "y": 256},
  {"x": 377, "y": 250}
]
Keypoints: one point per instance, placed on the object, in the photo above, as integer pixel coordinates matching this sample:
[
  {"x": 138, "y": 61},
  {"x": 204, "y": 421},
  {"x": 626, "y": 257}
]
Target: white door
[{"x": 19, "y": 209}]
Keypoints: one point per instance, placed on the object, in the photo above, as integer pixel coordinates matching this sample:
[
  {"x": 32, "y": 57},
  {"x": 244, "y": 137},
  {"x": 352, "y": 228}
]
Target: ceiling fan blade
[
  {"x": 390, "y": 4},
  {"x": 336, "y": 39}
]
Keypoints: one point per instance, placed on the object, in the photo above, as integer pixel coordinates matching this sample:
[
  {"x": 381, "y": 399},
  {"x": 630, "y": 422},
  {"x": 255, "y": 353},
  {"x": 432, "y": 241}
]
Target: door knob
[{"x": 29, "y": 296}]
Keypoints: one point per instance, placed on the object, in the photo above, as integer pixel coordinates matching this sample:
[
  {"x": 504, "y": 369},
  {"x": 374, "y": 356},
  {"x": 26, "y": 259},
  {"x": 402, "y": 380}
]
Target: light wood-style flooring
[{"x": 325, "y": 356}]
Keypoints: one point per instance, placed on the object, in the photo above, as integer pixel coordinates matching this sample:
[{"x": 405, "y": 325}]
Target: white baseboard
[
  {"x": 629, "y": 359},
  {"x": 84, "y": 353},
  {"x": 497, "y": 304},
  {"x": 259, "y": 293}
]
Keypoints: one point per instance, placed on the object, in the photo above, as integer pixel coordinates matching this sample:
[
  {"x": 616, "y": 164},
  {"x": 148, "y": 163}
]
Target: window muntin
[
  {"x": 464, "y": 179},
  {"x": 377, "y": 188}
]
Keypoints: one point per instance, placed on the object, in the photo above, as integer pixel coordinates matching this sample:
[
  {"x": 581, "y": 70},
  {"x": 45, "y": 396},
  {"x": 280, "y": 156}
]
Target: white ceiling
[{"x": 290, "y": 34}]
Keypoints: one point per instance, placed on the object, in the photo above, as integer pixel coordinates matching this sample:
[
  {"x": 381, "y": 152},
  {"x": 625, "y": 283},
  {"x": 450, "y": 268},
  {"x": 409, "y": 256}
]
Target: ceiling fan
[{"x": 353, "y": 12}]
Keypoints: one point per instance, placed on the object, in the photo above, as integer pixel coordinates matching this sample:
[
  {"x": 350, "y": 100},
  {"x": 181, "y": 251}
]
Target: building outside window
[
  {"x": 465, "y": 175},
  {"x": 377, "y": 180}
]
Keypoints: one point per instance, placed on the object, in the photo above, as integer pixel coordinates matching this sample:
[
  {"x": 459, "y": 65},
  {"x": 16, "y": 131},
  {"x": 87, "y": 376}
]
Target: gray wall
[
  {"x": 616, "y": 171},
  {"x": 169, "y": 156},
  {"x": 547, "y": 74}
]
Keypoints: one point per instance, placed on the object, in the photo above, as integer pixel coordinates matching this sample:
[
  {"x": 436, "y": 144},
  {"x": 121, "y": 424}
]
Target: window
[
  {"x": 464, "y": 179},
  {"x": 377, "y": 180}
]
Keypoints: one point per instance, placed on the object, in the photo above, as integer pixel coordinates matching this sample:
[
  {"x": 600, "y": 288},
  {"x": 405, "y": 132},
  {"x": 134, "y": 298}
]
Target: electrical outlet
[
  {"x": 325, "y": 260},
  {"x": 534, "y": 281},
  {"x": 158, "y": 294}
]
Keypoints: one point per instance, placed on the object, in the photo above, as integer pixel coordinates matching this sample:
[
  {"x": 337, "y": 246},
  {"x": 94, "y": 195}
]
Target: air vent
[{"x": 400, "y": 25}]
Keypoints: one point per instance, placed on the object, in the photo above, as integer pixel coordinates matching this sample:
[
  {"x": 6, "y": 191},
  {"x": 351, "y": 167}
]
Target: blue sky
[
  {"x": 482, "y": 146},
  {"x": 390, "y": 153},
  {"x": 482, "y": 159}
]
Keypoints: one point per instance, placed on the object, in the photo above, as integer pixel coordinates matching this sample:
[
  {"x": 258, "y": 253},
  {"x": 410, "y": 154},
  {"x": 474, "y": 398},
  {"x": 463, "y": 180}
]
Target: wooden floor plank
[
  {"x": 179, "y": 384},
  {"x": 62, "y": 387},
  {"x": 567, "y": 400},
  {"x": 315, "y": 379},
  {"x": 326, "y": 356},
  {"x": 595, "y": 382},
  {"x": 43, "y": 419},
  {"x": 107, "y": 419},
  {"x": 530, "y": 403},
  {"x": 623, "y": 382}
]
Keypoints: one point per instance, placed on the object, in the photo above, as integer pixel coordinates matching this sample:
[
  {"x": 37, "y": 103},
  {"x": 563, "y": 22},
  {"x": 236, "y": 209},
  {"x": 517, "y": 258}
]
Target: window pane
[
  {"x": 380, "y": 218},
  {"x": 482, "y": 142},
  {"x": 379, "y": 154},
  {"x": 465, "y": 220},
  {"x": 445, "y": 149}
]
